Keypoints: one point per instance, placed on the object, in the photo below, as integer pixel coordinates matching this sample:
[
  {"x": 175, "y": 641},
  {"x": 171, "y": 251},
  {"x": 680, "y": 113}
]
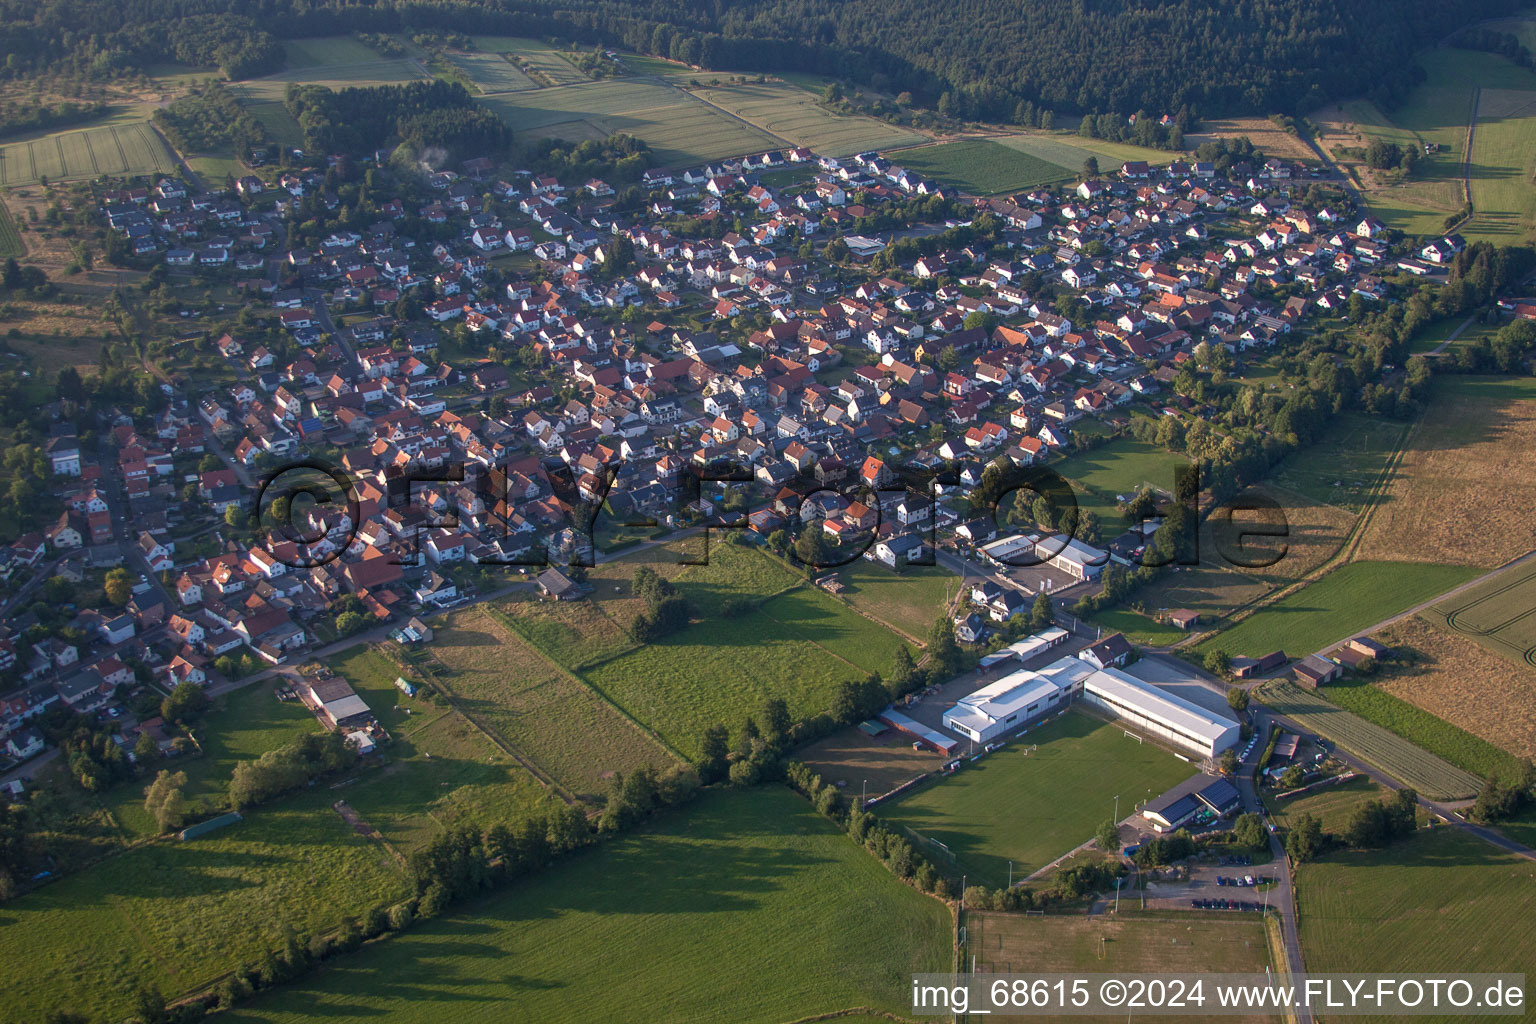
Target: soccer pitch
[{"x": 1036, "y": 798}]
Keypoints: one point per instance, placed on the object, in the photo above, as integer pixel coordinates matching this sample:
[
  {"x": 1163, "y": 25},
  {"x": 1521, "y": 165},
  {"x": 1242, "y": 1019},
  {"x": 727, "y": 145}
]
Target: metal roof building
[{"x": 1159, "y": 712}]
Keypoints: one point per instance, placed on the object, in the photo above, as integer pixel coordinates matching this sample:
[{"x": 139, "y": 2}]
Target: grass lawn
[
  {"x": 909, "y": 600},
  {"x": 243, "y": 725},
  {"x": 1398, "y": 757},
  {"x": 1138, "y": 628},
  {"x": 798, "y": 645},
  {"x": 1123, "y": 466},
  {"x": 1351, "y": 598},
  {"x": 1503, "y": 159},
  {"x": 1442, "y": 901},
  {"x": 982, "y": 166},
  {"x": 742, "y": 907},
  {"x": 1030, "y": 808},
  {"x": 443, "y": 772},
  {"x": 820, "y": 620},
  {"x": 178, "y": 915}
]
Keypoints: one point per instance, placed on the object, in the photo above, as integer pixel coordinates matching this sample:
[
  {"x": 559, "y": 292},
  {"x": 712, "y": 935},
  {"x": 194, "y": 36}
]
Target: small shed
[
  {"x": 1315, "y": 670},
  {"x": 1184, "y": 618}
]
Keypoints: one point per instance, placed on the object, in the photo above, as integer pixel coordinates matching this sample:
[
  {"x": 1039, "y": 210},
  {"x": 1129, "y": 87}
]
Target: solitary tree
[
  {"x": 1108, "y": 837},
  {"x": 1237, "y": 699},
  {"x": 1041, "y": 615}
]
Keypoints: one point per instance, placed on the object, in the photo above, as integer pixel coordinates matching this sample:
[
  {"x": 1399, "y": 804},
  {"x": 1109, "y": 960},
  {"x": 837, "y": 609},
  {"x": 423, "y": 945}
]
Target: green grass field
[
  {"x": 242, "y": 726},
  {"x": 10, "y": 239},
  {"x": 1340, "y": 604},
  {"x": 327, "y": 51},
  {"x": 1408, "y": 763},
  {"x": 982, "y": 166},
  {"x": 679, "y": 127},
  {"x": 744, "y": 906},
  {"x": 1442, "y": 901},
  {"x": 128, "y": 149},
  {"x": 1069, "y": 150},
  {"x": 491, "y": 72},
  {"x": 1437, "y": 111},
  {"x": 544, "y": 61},
  {"x": 909, "y": 601},
  {"x": 1503, "y": 161},
  {"x": 443, "y": 772},
  {"x": 795, "y": 115},
  {"x": 280, "y": 125},
  {"x": 1333, "y": 805},
  {"x": 1160, "y": 943},
  {"x": 1122, "y": 466},
  {"x": 1346, "y": 463},
  {"x": 178, "y": 915},
  {"x": 721, "y": 670},
  {"x": 344, "y": 74},
  {"x": 1420, "y": 727},
  {"x": 798, "y": 645},
  {"x": 1030, "y": 808},
  {"x": 543, "y": 712}
]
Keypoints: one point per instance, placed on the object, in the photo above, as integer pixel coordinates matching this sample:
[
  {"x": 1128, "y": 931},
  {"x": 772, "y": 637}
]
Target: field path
[{"x": 1450, "y": 338}]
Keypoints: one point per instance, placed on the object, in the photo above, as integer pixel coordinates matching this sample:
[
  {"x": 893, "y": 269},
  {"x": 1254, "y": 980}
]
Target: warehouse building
[
  {"x": 1071, "y": 556},
  {"x": 1022, "y": 697}
]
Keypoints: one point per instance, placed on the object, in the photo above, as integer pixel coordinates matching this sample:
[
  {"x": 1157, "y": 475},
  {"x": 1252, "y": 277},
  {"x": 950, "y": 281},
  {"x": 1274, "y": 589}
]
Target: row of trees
[
  {"x": 1504, "y": 798},
  {"x": 289, "y": 767}
]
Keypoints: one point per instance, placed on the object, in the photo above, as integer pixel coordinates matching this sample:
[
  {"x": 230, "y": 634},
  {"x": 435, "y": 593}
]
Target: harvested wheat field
[
  {"x": 1463, "y": 490},
  {"x": 1314, "y": 531},
  {"x": 1461, "y": 681},
  {"x": 1261, "y": 131}
]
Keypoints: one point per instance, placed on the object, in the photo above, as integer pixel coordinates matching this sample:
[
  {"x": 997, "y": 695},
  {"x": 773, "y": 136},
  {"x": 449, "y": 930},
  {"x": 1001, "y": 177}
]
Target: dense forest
[
  {"x": 985, "y": 59},
  {"x": 422, "y": 115}
]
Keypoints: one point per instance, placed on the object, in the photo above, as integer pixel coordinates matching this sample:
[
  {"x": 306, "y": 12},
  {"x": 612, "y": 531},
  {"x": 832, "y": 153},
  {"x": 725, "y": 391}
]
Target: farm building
[
  {"x": 1315, "y": 670},
  {"x": 335, "y": 703},
  {"x": 1184, "y": 618},
  {"x": 556, "y": 584},
  {"x": 1247, "y": 668}
]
